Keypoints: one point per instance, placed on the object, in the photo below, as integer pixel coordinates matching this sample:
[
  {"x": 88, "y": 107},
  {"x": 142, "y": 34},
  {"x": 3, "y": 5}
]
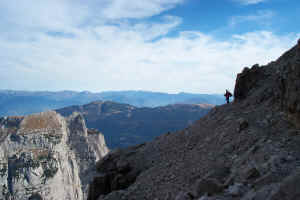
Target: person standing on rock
[{"x": 227, "y": 95}]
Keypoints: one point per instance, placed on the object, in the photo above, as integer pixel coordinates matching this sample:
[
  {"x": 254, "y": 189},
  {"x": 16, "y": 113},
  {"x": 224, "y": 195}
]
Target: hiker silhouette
[{"x": 227, "y": 95}]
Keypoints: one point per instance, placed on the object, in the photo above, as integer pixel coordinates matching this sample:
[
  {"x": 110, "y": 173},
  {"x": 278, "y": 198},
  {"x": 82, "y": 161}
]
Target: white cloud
[
  {"x": 262, "y": 17},
  {"x": 120, "y": 54},
  {"x": 33, "y": 14},
  {"x": 249, "y": 2},
  {"x": 122, "y": 60}
]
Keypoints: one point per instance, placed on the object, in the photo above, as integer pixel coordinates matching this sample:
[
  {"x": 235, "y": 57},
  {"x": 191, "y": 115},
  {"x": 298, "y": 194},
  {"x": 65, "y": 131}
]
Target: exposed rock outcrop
[
  {"x": 45, "y": 156},
  {"x": 245, "y": 150}
]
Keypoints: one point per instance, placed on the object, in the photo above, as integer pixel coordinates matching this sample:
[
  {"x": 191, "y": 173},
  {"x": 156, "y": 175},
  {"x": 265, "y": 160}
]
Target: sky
[{"x": 195, "y": 46}]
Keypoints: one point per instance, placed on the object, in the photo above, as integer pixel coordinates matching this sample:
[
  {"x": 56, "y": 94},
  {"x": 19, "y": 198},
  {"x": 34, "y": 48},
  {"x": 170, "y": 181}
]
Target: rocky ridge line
[{"x": 124, "y": 125}]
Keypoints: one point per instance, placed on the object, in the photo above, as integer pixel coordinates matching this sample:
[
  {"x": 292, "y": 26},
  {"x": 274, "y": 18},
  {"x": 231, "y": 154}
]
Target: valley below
[{"x": 124, "y": 125}]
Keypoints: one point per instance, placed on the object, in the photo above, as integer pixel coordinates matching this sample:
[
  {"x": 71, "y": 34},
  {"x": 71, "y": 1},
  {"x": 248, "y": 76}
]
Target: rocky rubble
[
  {"x": 45, "y": 156},
  {"x": 246, "y": 150}
]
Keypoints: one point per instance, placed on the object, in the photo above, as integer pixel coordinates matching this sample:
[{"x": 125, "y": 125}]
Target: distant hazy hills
[
  {"x": 126, "y": 125},
  {"x": 24, "y": 102}
]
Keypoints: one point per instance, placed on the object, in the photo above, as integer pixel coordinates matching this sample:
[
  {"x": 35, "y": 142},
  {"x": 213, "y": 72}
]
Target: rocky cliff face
[
  {"x": 245, "y": 150},
  {"x": 46, "y": 156}
]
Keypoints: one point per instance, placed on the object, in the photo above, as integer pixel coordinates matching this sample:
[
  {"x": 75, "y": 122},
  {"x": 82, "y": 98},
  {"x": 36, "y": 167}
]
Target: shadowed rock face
[
  {"x": 247, "y": 150},
  {"x": 276, "y": 84},
  {"x": 45, "y": 156},
  {"x": 248, "y": 80}
]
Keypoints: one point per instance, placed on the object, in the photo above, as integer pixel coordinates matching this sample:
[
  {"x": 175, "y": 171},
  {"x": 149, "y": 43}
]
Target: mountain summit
[{"x": 247, "y": 150}]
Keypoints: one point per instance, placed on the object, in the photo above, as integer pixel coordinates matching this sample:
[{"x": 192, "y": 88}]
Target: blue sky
[{"x": 157, "y": 45}]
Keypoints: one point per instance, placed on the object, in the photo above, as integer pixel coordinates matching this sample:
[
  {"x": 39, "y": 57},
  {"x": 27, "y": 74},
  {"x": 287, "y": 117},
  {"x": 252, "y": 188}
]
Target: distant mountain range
[
  {"x": 125, "y": 125},
  {"x": 25, "y": 102}
]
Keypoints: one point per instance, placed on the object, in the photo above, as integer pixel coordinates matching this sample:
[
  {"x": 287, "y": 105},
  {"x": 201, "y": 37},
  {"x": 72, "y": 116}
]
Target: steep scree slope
[
  {"x": 245, "y": 150},
  {"x": 47, "y": 157}
]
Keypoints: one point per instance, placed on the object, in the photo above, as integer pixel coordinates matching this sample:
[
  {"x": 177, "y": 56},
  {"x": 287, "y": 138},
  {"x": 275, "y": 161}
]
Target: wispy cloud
[
  {"x": 261, "y": 17},
  {"x": 68, "y": 14},
  {"x": 249, "y": 2},
  {"x": 117, "y": 9}
]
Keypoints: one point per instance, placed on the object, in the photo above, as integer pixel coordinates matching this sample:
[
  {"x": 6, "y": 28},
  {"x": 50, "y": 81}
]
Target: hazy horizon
[{"x": 106, "y": 91}]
